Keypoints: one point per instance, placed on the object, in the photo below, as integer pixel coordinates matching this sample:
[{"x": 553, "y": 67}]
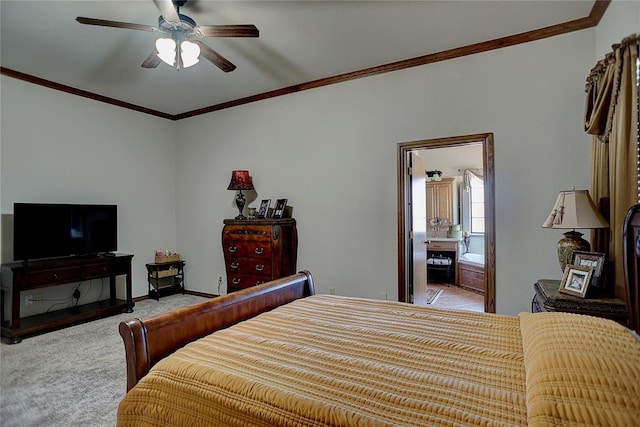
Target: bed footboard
[{"x": 146, "y": 341}]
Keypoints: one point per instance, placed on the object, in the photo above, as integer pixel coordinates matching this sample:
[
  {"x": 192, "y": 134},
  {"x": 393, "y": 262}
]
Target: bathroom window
[{"x": 476, "y": 203}]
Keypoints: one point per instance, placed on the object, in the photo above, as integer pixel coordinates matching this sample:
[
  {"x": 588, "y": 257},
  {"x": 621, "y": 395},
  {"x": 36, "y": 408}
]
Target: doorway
[{"x": 406, "y": 238}]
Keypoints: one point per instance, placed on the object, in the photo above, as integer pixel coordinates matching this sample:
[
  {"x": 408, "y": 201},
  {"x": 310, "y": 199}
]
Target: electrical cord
[
  {"x": 71, "y": 300},
  {"x": 61, "y": 301},
  {"x": 75, "y": 296}
]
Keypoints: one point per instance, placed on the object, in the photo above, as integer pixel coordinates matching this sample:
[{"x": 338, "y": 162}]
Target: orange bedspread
[{"x": 328, "y": 360}]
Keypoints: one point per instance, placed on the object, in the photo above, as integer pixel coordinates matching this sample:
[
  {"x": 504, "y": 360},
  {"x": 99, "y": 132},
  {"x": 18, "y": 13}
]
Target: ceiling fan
[{"x": 179, "y": 48}]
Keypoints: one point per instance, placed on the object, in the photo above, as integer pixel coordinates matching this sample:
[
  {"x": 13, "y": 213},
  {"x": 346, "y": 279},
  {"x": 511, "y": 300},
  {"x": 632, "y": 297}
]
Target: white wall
[
  {"x": 60, "y": 148},
  {"x": 621, "y": 19},
  {"x": 332, "y": 152}
]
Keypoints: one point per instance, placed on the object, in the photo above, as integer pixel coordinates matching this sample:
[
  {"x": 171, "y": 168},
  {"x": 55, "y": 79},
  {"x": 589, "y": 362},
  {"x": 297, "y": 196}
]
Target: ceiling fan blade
[
  {"x": 214, "y": 57},
  {"x": 168, "y": 11},
  {"x": 243, "y": 30},
  {"x": 152, "y": 61},
  {"x": 115, "y": 24}
]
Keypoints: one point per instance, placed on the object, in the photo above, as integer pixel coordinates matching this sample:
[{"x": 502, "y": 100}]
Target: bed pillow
[{"x": 580, "y": 370}]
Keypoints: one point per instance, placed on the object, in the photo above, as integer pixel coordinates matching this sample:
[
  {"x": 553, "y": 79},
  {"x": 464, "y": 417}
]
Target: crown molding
[{"x": 596, "y": 14}]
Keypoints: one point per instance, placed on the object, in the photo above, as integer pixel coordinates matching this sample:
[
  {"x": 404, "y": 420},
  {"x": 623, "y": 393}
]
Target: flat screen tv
[{"x": 44, "y": 230}]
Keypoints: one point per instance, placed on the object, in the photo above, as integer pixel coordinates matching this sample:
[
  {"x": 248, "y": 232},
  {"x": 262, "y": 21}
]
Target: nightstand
[
  {"x": 165, "y": 278},
  {"x": 549, "y": 298}
]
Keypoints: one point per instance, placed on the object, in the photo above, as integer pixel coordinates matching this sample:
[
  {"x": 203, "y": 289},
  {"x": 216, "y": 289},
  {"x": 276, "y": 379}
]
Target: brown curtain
[{"x": 611, "y": 116}]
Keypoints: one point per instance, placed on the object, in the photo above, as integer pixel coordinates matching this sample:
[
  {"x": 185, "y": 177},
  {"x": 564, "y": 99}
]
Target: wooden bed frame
[
  {"x": 148, "y": 341},
  {"x": 631, "y": 254}
]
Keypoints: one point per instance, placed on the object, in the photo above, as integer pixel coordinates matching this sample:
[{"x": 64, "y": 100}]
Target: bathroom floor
[{"x": 456, "y": 297}]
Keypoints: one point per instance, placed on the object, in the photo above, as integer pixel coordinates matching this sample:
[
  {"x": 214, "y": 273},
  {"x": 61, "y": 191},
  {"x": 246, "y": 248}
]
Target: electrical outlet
[
  {"x": 332, "y": 291},
  {"x": 31, "y": 298},
  {"x": 220, "y": 280}
]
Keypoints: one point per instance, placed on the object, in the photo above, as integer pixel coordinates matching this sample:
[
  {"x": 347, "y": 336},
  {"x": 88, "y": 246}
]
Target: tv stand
[{"x": 18, "y": 277}]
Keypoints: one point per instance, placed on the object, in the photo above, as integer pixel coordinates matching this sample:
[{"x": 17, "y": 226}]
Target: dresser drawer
[
  {"x": 248, "y": 249},
  {"x": 53, "y": 276},
  {"x": 250, "y": 266},
  {"x": 247, "y": 233},
  {"x": 120, "y": 266},
  {"x": 96, "y": 271},
  {"x": 242, "y": 281},
  {"x": 442, "y": 246}
]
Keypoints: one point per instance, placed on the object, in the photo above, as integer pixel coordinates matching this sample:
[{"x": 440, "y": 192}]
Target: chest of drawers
[{"x": 258, "y": 250}]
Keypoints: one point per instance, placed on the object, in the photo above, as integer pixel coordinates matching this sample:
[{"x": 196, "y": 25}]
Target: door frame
[{"x": 489, "y": 209}]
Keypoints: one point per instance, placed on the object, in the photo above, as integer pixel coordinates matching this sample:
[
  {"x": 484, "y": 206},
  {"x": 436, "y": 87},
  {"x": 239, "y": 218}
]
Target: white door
[{"x": 418, "y": 227}]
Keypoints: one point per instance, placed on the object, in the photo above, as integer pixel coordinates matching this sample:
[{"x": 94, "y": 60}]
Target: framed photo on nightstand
[
  {"x": 595, "y": 260},
  {"x": 575, "y": 280}
]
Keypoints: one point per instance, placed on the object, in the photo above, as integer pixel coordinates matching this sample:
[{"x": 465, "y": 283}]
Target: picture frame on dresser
[
  {"x": 594, "y": 260},
  {"x": 264, "y": 208},
  {"x": 279, "y": 209},
  {"x": 575, "y": 280}
]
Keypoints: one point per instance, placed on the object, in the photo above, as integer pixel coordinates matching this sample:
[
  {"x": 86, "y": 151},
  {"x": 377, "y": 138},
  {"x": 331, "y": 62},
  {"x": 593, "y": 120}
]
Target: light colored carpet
[
  {"x": 71, "y": 377},
  {"x": 432, "y": 295}
]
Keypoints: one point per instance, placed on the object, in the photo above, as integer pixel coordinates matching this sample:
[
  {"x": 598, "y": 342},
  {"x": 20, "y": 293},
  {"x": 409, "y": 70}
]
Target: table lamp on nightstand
[
  {"x": 574, "y": 209},
  {"x": 240, "y": 180}
]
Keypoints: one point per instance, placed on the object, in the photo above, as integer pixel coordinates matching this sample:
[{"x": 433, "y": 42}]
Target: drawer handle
[
  {"x": 232, "y": 249},
  {"x": 259, "y": 251},
  {"x": 105, "y": 269},
  {"x": 236, "y": 281},
  {"x": 235, "y": 265},
  {"x": 258, "y": 282},
  {"x": 260, "y": 267},
  {"x": 55, "y": 276}
]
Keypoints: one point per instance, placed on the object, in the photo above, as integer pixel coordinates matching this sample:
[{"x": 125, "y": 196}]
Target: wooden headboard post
[
  {"x": 631, "y": 254},
  {"x": 149, "y": 340}
]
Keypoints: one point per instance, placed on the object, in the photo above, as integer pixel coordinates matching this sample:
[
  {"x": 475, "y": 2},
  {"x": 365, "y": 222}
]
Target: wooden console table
[
  {"x": 549, "y": 298},
  {"x": 23, "y": 276}
]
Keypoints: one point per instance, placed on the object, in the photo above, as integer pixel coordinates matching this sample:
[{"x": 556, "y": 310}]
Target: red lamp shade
[{"x": 240, "y": 180}]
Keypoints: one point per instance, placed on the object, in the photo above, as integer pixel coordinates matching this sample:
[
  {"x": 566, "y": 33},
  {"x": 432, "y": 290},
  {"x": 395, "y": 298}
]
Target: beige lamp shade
[{"x": 575, "y": 209}]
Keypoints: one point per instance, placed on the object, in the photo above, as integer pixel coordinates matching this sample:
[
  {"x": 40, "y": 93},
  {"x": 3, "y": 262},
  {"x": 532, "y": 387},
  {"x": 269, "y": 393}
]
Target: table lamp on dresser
[{"x": 240, "y": 180}]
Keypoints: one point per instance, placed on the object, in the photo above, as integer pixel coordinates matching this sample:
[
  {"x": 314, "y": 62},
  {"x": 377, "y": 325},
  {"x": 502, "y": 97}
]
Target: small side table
[
  {"x": 549, "y": 298},
  {"x": 165, "y": 278}
]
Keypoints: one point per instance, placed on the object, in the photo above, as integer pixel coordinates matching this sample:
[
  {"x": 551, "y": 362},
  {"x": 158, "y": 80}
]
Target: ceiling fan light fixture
[
  {"x": 166, "y": 50},
  {"x": 189, "y": 52},
  {"x": 175, "y": 49}
]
